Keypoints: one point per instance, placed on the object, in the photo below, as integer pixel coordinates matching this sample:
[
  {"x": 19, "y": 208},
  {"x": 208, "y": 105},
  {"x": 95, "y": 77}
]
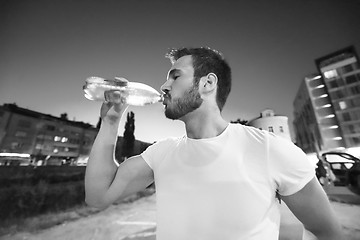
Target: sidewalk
[{"x": 342, "y": 195}]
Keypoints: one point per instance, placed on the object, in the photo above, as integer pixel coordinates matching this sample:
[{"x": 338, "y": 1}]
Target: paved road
[{"x": 136, "y": 221}]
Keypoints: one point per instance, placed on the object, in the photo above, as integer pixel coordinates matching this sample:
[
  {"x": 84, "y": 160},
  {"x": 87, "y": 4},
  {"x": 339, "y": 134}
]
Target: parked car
[
  {"x": 82, "y": 161},
  {"x": 346, "y": 169},
  {"x": 354, "y": 178},
  {"x": 15, "y": 159}
]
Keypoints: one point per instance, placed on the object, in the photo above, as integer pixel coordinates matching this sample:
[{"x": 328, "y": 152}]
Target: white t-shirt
[{"x": 224, "y": 188}]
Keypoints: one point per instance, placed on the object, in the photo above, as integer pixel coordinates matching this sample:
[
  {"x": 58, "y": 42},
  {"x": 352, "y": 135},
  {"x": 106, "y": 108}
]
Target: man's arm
[
  {"x": 105, "y": 180},
  {"x": 312, "y": 207}
]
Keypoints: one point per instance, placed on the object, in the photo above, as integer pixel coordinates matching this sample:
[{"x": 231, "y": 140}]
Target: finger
[
  {"x": 113, "y": 96},
  {"x": 105, "y": 108},
  {"x": 106, "y": 97},
  {"x": 116, "y": 97}
]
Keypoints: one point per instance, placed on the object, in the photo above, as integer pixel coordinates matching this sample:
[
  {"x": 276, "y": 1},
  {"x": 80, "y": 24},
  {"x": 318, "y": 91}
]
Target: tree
[
  {"x": 243, "y": 122},
  {"x": 98, "y": 125},
  {"x": 129, "y": 138},
  {"x": 64, "y": 116}
]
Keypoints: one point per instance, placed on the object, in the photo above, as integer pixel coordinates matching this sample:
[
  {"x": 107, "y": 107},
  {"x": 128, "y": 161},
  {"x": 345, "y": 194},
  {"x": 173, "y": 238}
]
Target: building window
[
  {"x": 73, "y": 149},
  {"x": 57, "y": 139},
  {"x": 355, "y": 90},
  {"x": 48, "y": 147},
  {"x": 75, "y": 133},
  {"x": 50, "y": 128},
  {"x": 20, "y": 134},
  {"x": 16, "y": 145},
  {"x": 346, "y": 116},
  {"x": 38, "y": 146},
  {"x": 24, "y": 123},
  {"x": 355, "y": 115},
  {"x": 342, "y": 105},
  {"x": 333, "y": 84},
  {"x": 340, "y": 94},
  {"x": 356, "y": 140},
  {"x": 352, "y": 129},
  {"x": 74, "y": 141},
  {"x": 347, "y": 68},
  {"x": 61, "y": 139},
  {"x": 350, "y": 79},
  {"x": 281, "y": 129},
  {"x": 271, "y": 129},
  {"x": 330, "y": 74},
  {"x": 356, "y": 101}
]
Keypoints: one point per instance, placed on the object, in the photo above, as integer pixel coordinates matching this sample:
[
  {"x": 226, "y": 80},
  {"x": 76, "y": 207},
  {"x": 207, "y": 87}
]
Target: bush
[
  {"x": 29, "y": 191},
  {"x": 10, "y": 175}
]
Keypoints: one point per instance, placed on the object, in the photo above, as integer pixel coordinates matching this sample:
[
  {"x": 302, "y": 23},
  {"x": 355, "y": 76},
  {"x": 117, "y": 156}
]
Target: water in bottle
[{"x": 134, "y": 93}]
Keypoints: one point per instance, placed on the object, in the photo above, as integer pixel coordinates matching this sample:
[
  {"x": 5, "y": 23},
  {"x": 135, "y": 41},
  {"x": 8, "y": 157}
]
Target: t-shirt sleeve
[
  {"x": 155, "y": 153},
  {"x": 289, "y": 165}
]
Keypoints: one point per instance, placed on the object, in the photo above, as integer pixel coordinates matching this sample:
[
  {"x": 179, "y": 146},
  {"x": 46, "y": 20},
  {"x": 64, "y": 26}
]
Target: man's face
[{"x": 181, "y": 95}]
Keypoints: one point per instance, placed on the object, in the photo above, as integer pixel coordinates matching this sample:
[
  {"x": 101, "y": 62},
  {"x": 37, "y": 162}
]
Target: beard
[{"x": 179, "y": 107}]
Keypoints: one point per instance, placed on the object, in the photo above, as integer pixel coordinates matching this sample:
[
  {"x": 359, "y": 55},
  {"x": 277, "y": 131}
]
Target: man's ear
[{"x": 209, "y": 82}]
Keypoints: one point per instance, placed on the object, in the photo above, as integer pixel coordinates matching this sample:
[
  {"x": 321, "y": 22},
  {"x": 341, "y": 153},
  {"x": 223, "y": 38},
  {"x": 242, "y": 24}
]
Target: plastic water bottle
[{"x": 134, "y": 93}]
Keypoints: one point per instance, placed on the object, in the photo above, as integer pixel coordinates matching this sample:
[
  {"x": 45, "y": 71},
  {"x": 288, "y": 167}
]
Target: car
[
  {"x": 15, "y": 159},
  {"x": 345, "y": 167},
  {"x": 82, "y": 161},
  {"x": 354, "y": 178}
]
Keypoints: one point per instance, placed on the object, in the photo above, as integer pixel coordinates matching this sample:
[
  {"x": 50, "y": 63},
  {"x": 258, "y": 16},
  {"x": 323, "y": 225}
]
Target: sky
[{"x": 48, "y": 49}]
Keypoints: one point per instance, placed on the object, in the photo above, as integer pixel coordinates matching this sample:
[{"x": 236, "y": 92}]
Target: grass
[
  {"x": 48, "y": 220},
  {"x": 44, "y": 221}
]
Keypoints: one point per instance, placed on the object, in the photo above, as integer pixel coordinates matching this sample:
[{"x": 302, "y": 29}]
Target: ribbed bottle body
[{"x": 134, "y": 93}]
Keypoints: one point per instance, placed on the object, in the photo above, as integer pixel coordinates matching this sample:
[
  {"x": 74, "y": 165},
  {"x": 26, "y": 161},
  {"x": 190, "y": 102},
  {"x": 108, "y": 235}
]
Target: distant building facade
[
  {"x": 272, "y": 123},
  {"x": 45, "y": 138},
  {"x": 315, "y": 124},
  {"x": 327, "y": 105}
]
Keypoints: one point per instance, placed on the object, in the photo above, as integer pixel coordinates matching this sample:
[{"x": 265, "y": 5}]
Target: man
[{"x": 219, "y": 181}]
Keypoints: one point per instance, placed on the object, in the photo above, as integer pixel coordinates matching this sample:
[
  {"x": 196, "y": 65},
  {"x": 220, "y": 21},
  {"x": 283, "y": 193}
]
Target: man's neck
[{"x": 204, "y": 126}]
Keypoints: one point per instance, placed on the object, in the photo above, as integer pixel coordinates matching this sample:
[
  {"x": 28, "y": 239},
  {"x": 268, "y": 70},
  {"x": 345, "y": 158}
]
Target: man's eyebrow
[{"x": 172, "y": 72}]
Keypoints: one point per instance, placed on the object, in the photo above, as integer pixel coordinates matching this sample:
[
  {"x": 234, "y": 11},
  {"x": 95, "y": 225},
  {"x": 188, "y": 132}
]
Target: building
[
  {"x": 315, "y": 126},
  {"x": 272, "y": 123},
  {"x": 341, "y": 73},
  {"x": 327, "y": 105},
  {"x": 305, "y": 126},
  {"x": 45, "y": 138}
]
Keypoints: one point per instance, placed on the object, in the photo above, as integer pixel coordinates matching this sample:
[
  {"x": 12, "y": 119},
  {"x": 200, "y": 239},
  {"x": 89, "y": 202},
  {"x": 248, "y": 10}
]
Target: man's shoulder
[
  {"x": 250, "y": 131},
  {"x": 156, "y": 152},
  {"x": 169, "y": 141}
]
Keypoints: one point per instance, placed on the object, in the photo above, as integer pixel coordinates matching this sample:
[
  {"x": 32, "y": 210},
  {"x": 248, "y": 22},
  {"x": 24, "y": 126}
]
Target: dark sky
[{"x": 48, "y": 49}]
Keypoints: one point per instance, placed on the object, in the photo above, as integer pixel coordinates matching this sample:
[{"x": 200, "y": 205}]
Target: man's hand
[{"x": 115, "y": 103}]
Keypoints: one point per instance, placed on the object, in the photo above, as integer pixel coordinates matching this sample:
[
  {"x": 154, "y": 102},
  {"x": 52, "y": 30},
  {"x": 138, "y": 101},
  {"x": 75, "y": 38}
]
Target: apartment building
[
  {"x": 44, "y": 138},
  {"x": 341, "y": 73},
  {"x": 327, "y": 105},
  {"x": 315, "y": 124}
]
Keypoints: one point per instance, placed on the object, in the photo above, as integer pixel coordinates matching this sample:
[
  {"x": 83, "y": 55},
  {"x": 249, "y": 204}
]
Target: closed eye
[{"x": 174, "y": 74}]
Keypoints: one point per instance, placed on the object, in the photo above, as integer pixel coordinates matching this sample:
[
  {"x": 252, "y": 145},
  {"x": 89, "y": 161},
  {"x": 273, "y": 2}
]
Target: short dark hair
[{"x": 205, "y": 61}]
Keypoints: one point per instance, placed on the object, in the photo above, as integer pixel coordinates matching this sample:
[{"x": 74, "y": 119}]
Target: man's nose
[{"x": 165, "y": 87}]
